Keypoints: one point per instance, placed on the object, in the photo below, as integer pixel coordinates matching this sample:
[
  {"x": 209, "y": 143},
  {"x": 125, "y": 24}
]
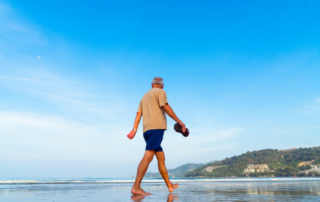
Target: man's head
[{"x": 157, "y": 82}]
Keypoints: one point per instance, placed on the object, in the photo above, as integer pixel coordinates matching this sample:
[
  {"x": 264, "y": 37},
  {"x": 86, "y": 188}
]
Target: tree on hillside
[{"x": 275, "y": 159}]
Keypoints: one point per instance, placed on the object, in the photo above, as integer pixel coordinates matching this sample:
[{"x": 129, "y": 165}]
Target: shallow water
[{"x": 225, "y": 189}]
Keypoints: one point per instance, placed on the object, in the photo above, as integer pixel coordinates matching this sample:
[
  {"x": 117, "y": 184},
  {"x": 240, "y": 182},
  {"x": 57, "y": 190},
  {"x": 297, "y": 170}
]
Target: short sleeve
[
  {"x": 163, "y": 98},
  {"x": 140, "y": 108}
]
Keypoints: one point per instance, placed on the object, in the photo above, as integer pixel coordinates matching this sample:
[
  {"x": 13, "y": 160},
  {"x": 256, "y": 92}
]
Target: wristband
[{"x": 134, "y": 129}]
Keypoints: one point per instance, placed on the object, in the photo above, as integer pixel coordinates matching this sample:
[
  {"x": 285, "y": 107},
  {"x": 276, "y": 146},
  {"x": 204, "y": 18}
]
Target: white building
[
  {"x": 260, "y": 168},
  {"x": 312, "y": 170}
]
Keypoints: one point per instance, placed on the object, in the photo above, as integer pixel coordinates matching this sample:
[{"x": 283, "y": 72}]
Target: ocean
[{"x": 198, "y": 189}]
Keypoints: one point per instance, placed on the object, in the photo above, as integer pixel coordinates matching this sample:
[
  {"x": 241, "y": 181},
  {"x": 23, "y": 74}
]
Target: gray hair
[{"x": 158, "y": 81}]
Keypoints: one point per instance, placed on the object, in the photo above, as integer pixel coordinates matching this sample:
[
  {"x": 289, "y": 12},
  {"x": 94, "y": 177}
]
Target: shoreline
[{"x": 112, "y": 181}]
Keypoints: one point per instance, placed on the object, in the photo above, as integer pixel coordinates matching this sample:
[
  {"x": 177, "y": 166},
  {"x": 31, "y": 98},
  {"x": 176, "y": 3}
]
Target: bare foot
[
  {"x": 139, "y": 191},
  {"x": 173, "y": 187}
]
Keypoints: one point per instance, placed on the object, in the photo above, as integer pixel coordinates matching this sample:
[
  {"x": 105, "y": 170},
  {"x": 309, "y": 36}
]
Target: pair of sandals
[{"x": 178, "y": 129}]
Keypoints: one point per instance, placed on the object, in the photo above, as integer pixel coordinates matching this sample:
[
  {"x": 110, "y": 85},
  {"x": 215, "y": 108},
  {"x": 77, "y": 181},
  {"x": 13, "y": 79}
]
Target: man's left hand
[
  {"x": 183, "y": 127},
  {"x": 131, "y": 134}
]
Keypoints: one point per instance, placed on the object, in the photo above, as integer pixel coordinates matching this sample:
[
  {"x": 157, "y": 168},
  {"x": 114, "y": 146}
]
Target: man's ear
[
  {"x": 152, "y": 85},
  {"x": 162, "y": 86}
]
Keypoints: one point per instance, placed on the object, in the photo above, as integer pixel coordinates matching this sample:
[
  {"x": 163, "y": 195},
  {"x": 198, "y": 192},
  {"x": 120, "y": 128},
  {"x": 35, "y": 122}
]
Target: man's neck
[{"x": 154, "y": 86}]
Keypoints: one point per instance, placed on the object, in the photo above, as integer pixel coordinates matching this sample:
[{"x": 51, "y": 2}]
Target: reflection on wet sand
[
  {"x": 269, "y": 189},
  {"x": 137, "y": 198},
  {"x": 200, "y": 192},
  {"x": 171, "y": 197}
]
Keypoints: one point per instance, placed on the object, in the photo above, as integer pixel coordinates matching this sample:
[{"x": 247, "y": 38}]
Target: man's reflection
[
  {"x": 137, "y": 197},
  {"x": 171, "y": 197}
]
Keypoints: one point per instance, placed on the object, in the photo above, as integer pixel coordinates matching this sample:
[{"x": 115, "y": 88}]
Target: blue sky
[{"x": 243, "y": 76}]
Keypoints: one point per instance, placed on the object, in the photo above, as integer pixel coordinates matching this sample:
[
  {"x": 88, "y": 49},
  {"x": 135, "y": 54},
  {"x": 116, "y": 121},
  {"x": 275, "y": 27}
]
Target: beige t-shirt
[{"x": 150, "y": 105}]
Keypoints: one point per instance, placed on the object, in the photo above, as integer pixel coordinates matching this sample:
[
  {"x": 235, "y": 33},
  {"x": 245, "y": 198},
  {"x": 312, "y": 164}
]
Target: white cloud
[
  {"x": 205, "y": 128},
  {"x": 33, "y": 140},
  {"x": 3, "y": 9},
  {"x": 42, "y": 80},
  {"x": 38, "y": 126},
  {"x": 311, "y": 107},
  {"x": 17, "y": 78},
  {"x": 24, "y": 135},
  {"x": 13, "y": 29},
  {"x": 72, "y": 94},
  {"x": 201, "y": 145}
]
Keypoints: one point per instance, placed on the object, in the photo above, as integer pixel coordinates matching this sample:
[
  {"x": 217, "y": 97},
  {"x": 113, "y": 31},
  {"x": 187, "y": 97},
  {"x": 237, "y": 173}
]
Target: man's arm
[
  {"x": 171, "y": 113},
  {"x": 135, "y": 126}
]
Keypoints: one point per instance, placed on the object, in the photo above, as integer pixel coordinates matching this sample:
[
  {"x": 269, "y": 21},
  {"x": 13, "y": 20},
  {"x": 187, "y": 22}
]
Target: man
[{"x": 153, "y": 107}]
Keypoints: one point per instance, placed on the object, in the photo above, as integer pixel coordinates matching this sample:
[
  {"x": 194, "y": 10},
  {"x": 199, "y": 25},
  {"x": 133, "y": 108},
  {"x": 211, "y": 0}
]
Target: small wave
[{"x": 146, "y": 180}]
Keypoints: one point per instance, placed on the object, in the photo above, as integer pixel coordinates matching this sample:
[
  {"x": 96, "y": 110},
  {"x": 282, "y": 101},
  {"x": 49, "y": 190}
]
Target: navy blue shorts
[{"x": 153, "y": 139}]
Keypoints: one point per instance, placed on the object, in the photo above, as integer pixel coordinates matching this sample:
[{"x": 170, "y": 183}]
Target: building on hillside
[
  {"x": 314, "y": 166},
  {"x": 248, "y": 170},
  {"x": 260, "y": 168},
  {"x": 250, "y": 165},
  {"x": 209, "y": 169},
  {"x": 312, "y": 170}
]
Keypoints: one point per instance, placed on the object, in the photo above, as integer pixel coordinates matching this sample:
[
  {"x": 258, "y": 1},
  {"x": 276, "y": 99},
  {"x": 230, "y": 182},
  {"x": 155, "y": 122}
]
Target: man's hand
[
  {"x": 183, "y": 127},
  {"x": 132, "y": 134},
  {"x": 135, "y": 126}
]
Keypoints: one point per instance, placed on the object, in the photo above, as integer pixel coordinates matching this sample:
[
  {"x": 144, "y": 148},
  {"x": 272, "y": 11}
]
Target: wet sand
[{"x": 204, "y": 191}]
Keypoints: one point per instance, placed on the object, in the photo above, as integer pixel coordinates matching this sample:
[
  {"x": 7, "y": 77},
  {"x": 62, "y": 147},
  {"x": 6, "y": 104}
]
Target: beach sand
[{"x": 196, "y": 191}]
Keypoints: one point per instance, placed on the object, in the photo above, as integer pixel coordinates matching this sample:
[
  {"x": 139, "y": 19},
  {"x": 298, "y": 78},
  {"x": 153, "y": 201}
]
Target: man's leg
[
  {"x": 163, "y": 170},
  {"x": 142, "y": 169}
]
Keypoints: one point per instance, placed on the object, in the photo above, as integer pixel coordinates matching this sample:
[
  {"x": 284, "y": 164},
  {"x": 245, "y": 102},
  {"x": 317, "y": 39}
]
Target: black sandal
[{"x": 178, "y": 129}]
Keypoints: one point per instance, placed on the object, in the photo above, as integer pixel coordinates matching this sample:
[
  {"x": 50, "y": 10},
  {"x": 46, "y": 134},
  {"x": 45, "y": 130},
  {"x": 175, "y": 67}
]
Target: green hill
[
  {"x": 179, "y": 171},
  {"x": 266, "y": 162}
]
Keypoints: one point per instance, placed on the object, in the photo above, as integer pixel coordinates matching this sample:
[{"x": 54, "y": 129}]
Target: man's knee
[
  {"x": 160, "y": 156},
  {"x": 149, "y": 155},
  {"x": 150, "y": 158}
]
